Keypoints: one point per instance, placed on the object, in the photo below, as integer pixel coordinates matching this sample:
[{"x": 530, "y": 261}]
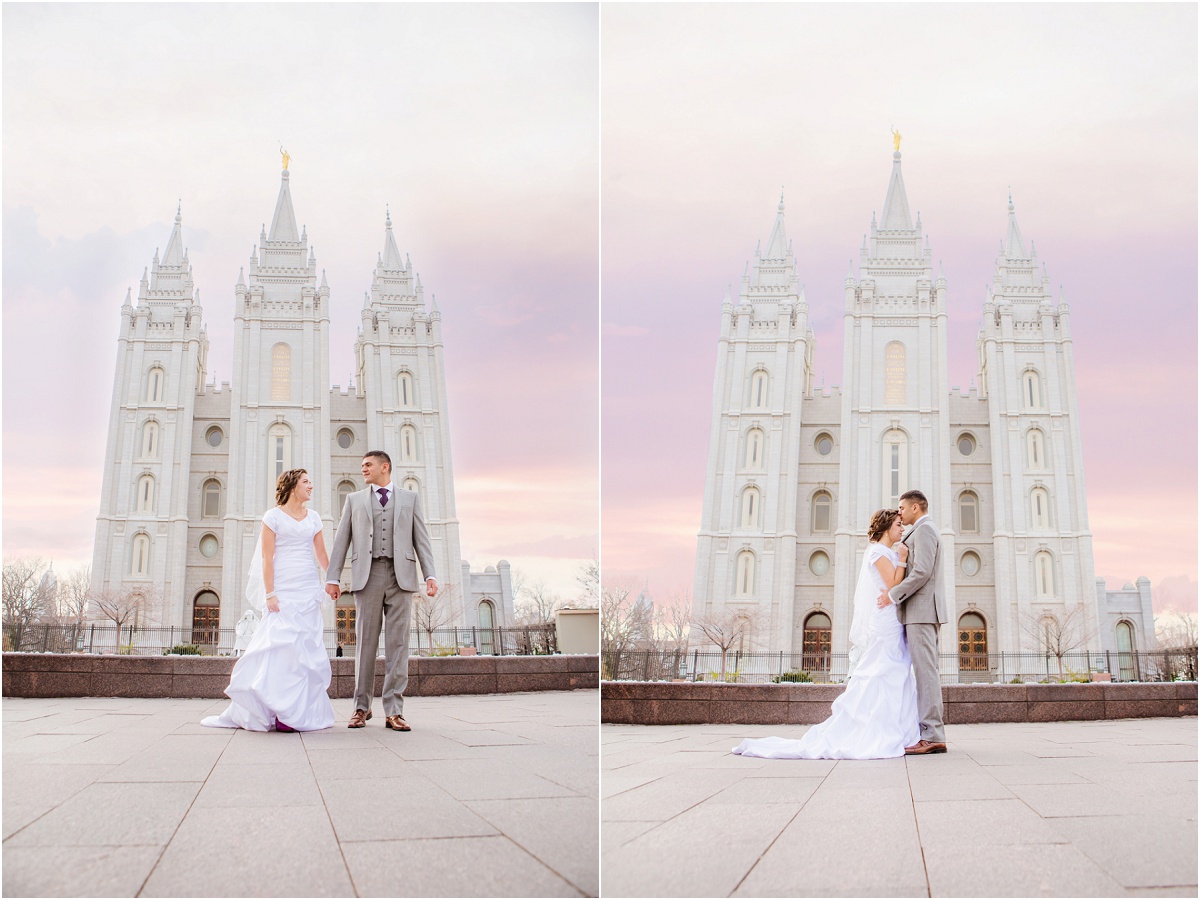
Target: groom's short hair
[
  {"x": 918, "y": 498},
  {"x": 381, "y": 455}
]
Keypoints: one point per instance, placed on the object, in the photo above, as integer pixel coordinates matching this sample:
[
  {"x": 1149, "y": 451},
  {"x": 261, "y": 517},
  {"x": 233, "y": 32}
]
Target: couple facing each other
[
  {"x": 281, "y": 681},
  {"x": 892, "y": 704}
]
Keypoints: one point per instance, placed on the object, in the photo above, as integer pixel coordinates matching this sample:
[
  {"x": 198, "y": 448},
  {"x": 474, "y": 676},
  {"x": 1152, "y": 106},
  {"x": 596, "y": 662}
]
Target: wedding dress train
[
  {"x": 876, "y": 716},
  {"x": 284, "y": 673}
]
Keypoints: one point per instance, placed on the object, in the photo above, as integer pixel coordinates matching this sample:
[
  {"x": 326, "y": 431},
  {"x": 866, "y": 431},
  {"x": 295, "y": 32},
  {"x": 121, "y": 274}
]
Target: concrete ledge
[
  {"x": 87, "y": 675},
  {"x": 688, "y": 703}
]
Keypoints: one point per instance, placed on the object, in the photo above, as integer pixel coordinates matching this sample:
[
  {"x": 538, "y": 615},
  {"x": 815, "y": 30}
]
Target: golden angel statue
[
  {"x": 286, "y": 156},
  {"x": 895, "y": 141}
]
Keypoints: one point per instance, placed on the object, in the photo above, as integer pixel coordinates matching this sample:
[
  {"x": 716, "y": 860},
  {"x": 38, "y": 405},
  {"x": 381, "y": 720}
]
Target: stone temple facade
[
  {"x": 191, "y": 466},
  {"x": 794, "y": 473}
]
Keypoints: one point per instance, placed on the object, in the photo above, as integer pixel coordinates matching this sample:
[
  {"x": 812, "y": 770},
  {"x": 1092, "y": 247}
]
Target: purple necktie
[{"x": 383, "y": 497}]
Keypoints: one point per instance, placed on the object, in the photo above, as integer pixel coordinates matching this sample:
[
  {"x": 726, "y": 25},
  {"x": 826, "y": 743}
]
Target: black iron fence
[
  {"x": 831, "y": 668},
  {"x": 157, "y": 640}
]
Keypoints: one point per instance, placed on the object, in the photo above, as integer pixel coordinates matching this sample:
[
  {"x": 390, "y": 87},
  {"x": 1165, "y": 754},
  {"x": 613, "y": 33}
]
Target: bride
[
  {"x": 282, "y": 678},
  {"x": 876, "y": 716}
]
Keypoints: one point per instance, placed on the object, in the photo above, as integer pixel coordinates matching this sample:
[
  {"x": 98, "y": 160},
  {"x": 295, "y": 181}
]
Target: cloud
[{"x": 611, "y": 330}]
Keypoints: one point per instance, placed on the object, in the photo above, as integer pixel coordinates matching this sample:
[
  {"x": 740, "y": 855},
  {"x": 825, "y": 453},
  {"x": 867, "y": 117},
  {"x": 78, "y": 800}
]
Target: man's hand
[
  {"x": 884, "y": 599},
  {"x": 334, "y": 591},
  {"x": 430, "y": 586}
]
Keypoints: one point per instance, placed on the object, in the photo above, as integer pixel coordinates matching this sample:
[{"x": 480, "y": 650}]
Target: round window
[
  {"x": 824, "y": 444},
  {"x": 970, "y": 563},
  {"x": 345, "y": 438},
  {"x": 214, "y": 436},
  {"x": 818, "y": 563},
  {"x": 209, "y": 545},
  {"x": 966, "y": 444}
]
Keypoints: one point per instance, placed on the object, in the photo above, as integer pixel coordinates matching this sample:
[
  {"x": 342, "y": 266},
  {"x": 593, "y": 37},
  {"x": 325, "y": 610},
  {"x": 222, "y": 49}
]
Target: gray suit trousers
[
  {"x": 923, "y": 648},
  {"x": 381, "y": 603}
]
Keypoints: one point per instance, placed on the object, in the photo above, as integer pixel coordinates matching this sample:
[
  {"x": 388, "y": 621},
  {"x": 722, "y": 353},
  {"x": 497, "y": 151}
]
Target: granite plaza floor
[
  {"x": 1066, "y": 809},
  {"x": 491, "y": 796}
]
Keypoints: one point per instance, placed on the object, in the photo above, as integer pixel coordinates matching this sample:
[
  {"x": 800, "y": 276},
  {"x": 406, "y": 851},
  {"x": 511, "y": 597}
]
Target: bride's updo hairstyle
[
  {"x": 880, "y": 523},
  {"x": 286, "y": 484}
]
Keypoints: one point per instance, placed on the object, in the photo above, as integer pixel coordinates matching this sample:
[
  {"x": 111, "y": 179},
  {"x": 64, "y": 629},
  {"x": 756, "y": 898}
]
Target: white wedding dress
[
  {"x": 876, "y": 716},
  {"x": 284, "y": 672}
]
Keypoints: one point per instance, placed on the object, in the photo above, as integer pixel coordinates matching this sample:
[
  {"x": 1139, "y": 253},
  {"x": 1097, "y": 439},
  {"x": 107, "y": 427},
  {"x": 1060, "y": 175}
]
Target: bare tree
[
  {"x": 26, "y": 599},
  {"x": 431, "y": 613},
  {"x": 726, "y": 629},
  {"x": 672, "y": 621},
  {"x": 588, "y": 579},
  {"x": 1176, "y": 631},
  {"x": 624, "y": 624},
  {"x": 537, "y": 605},
  {"x": 1060, "y": 634},
  {"x": 127, "y": 606},
  {"x": 74, "y": 595}
]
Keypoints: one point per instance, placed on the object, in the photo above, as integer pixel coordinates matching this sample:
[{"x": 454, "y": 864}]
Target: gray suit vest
[{"x": 381, "y": 525}]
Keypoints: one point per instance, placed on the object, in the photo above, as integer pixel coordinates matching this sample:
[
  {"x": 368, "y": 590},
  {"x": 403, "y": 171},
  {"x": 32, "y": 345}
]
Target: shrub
[
  {"x": 183, "y": 650},
  {"x": 731, "y": 675},
  {"x": 795, "y": 677}
]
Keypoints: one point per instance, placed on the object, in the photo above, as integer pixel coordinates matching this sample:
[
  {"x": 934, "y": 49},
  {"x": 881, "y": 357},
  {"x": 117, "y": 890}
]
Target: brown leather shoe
[
  {"x": 359, "y": 719},
  {"x": 397, "y": 723},
  {"x": 922, "y": 747}
]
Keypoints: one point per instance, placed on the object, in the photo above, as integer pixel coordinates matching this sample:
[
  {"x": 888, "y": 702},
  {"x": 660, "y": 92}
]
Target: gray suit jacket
[
  {"x": 410, "y": 540},
  {"x": 921, "y": 596}
]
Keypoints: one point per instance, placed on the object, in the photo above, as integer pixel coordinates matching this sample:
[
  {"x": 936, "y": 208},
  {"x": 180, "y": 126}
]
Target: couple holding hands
[{"x": 281, "y": 682}]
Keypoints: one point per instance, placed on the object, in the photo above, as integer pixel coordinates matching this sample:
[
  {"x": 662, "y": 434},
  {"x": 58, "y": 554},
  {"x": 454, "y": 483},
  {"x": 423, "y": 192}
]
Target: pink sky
[
  {"x": 477, "y": 124},
  {"x": 1087, "y": 112}
]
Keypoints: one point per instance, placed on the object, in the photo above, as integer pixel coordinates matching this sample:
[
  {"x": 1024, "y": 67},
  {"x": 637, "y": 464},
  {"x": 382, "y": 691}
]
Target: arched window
[
  {"x": 211, "y": 507},
  {"x": 156, "y": 384},
  {"x": 150, "y": 440},
  {"x": 894, "y": 376},
  {"x": 405, "y": 390},
  {"x": 1039, "y": 506},
  {"x": 759, "y": 389},
  {"x": 744, "y": 584},
  {"x": 753, "y": 457},
  {"x": 1043, "y": 570},
  {"x": 487, "y": 621},
  {"x": 751, "y": 501},
  {"x": 895, "y": 467},
  {"x": 1125, "y": 651},
  {"x": 145, "y": 494},
  {"x": 1031, "y": 390},
  {"x": 968, "y": 512},
  {"x": 972, "y": 643},
  {"x": 408, "y": 444},
  {"x": 344, "y": 490},
  {"x": 1035, "y": 444},
  {"x": 281, "y": 372},
  {"x": 139, "y": 561},
  {"x": 822, "y": 511},
  {"x": 411, "y": 484},
  {"x": 206, "y": 619},
  {"x": 818, "y": 634},
  {"x": 279, "y": 453}
]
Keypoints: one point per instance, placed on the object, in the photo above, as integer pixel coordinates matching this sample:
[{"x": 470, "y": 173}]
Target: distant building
[
  {"x": 794, "y": 473},
  {"x": 191, "y": 466}
]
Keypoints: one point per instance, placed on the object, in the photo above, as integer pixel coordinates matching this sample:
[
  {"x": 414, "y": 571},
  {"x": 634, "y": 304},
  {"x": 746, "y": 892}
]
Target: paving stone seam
[
  {"x": 329, "y": 816},
  {"x": 526, "y": 850},
  {"x": 182, "y": 818},
  {"x": 917, "y": 826}
]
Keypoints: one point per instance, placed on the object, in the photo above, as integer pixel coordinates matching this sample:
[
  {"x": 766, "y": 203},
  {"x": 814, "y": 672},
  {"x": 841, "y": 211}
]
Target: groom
[
  {"x": 921, "y": 608},
  {"x": 385, "y": 532}
]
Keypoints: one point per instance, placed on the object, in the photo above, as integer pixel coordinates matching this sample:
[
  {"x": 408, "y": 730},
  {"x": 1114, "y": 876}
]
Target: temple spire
[
  {"x": 283, "y": 224},
  {"x": 896, "y": 216},
  {"x": 1014, "y": 247},
  {"x": 174, "y": 255},
  {"x": 391, "y": 253},
  {"x": 777, "y": 244}
]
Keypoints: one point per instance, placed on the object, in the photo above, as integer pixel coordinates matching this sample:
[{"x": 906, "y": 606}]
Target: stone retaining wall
[
  {"x": 675, "y": 703},
  {"x": 87, "y": 675}
]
